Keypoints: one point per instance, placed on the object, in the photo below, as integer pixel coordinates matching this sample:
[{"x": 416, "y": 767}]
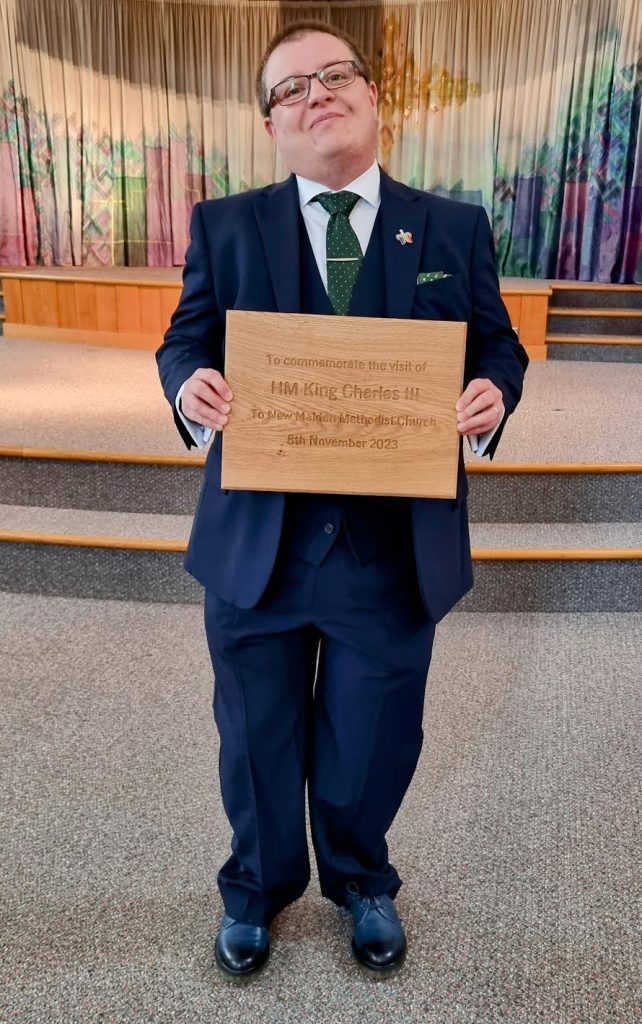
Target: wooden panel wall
[
  {"x": 528, "y": 312},
  {"x": 130, "y": 314},
  {"x": 135, "y": 314}
]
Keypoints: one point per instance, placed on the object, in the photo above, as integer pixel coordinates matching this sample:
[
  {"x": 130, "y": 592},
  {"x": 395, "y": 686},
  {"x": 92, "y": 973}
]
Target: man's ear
[{"x": 269, "y": 127}]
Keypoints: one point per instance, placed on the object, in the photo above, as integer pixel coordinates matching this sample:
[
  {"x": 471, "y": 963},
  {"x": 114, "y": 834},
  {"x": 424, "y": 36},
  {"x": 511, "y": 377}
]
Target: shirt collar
[{"x": 367, "y": 185}]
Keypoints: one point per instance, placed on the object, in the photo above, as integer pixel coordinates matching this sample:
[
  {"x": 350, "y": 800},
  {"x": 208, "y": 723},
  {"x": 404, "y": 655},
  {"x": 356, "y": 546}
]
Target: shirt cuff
[
  {"x": 479, "y": 442},
  {"x": 200, "y": 435}
]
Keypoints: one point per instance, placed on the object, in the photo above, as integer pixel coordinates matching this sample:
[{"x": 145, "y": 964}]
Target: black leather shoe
[
  {"x": 378, "y": 941},
  {"x": 241, "y": 949}
]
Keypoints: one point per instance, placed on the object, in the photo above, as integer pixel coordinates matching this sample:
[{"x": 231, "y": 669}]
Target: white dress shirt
[{"x": 362, "y": 219}]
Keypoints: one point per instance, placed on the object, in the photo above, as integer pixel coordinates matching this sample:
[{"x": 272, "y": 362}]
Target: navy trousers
[{"x": 323, "y": 682}]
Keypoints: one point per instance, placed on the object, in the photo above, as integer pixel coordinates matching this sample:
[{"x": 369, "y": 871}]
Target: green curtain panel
[{"x": 117, "y": 115}]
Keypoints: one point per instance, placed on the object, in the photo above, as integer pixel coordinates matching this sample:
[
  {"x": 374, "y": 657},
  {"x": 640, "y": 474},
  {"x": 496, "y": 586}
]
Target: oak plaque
[{"x": 342, "y": 405}]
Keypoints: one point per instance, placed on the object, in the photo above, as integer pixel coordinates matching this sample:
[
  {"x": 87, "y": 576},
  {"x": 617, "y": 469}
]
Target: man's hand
[
  {"x": 480, "y": 408},
  {"x": 205, "y": 399}
]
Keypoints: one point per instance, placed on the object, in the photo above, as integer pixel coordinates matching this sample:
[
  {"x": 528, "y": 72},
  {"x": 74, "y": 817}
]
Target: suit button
[{"x": 329, "y": 527}]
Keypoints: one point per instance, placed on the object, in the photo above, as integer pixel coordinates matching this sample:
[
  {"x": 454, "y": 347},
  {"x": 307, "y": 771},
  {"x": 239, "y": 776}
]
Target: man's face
[{"x": 328, "y": 128}]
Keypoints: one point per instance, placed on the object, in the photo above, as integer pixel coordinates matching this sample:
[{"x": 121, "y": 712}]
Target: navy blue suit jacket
[{"x": 244, "y": 254}]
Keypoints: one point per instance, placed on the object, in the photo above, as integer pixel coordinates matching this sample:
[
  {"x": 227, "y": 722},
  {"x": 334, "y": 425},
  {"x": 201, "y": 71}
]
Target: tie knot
[{"x": 337, "y": 202}]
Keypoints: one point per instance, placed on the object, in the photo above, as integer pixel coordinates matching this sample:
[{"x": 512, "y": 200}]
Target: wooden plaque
[{"x": 342, "y": 405}]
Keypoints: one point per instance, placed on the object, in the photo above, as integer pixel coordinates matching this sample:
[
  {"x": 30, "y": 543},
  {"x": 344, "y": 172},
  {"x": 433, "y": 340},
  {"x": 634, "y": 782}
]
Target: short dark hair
[{"x": 296, "y": 30}]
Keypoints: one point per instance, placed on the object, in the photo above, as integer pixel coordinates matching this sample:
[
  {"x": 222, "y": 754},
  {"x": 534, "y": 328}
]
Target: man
[{"x": 320, "y": 610}]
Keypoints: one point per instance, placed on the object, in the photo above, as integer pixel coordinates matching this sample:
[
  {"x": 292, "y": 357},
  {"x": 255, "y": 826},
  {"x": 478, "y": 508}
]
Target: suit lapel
[
  {"x": 277, "y": 214},
  {"x": 401, "y": 210}
]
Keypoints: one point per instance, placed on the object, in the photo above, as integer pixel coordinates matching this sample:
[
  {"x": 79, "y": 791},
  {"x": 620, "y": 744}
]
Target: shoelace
[{"x": 366, "y": 902}]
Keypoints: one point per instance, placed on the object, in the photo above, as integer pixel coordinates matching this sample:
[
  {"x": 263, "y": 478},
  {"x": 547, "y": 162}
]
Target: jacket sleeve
[
  {"x": 194, "y": 339},
  {"x": 493, "y": 351}
]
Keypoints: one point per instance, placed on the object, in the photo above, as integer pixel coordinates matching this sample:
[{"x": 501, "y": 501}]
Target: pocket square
[{"x": 434, "y": 275}]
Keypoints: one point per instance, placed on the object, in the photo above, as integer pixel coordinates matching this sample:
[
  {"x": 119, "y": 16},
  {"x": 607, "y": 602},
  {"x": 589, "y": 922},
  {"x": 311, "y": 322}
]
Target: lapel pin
[{"x": 405, "y": 237}]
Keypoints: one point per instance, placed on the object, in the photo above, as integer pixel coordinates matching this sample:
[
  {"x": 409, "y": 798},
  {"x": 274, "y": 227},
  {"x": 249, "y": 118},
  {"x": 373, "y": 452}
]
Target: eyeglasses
[{"x": 332, "y": 76}]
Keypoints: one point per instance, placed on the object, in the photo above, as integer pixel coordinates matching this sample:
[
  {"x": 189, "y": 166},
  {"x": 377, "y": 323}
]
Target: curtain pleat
[{"x": 117, "y": 115}]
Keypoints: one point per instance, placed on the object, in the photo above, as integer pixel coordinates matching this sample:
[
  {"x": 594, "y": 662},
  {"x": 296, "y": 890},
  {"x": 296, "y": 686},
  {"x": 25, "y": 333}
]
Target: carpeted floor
[
  {"x": 518, "y": 841},
  {"x": 56, "y": 395},
  {"x": 172, "y": 527}
]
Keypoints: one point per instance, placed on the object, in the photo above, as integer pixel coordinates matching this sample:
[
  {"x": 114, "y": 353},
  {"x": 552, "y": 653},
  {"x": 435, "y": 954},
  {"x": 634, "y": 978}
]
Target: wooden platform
[
  {"x": 527, "y": 305},
  {"x": 131, "y": 307},
  {"x": 97, "y": 490},
  {"x": 110, "y": 307}
]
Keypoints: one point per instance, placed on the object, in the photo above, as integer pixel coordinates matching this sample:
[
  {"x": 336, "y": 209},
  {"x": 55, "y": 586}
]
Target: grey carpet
[
  {"x": 584, "y": 324},
  {"x": 586, "y": 298},
  {"x": 518, "y": 841},
  {"x": 132, "y": 575},
  {"x": 89, "y": 398},
  {"x": 109, "y": 573},
  {"x": 555, "y": 497},
  {"x": 552, "y": 586},
  {"x": 173, "y": 490},
  {"x": 579, "y": 353},
  {"x": 68, "y": 521},
  {"x": 500, "y": 586},
  {"x": 91, "y": 523},
  {"x": 555, "y": 535},
  {"x": 84, "y": 397},
  {"x": 127, "y": 487}
]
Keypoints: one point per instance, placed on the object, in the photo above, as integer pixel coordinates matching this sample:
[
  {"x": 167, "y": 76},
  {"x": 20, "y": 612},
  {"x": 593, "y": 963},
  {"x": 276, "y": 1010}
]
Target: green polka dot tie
[{"x": 343, "y": 252}]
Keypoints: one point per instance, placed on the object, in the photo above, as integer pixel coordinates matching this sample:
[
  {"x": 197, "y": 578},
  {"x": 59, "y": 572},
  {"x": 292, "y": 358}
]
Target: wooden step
[
  {"x": 613, "y": 348},
  {"x": 591, "y": 339},
  {"x": 178, "y": 546},
  {"x": 81, "y": 540},
  {"x": 574, "y": 468},
  {"x": 613, "y": 297},
  {"x": 541, "y": 573},
  {"x": 198, "y": 459},
  {"x": 123, "y": 482},
  {"x": 148, "y": 532},
  {"x": 588, "y": 311},
  {"x": 80, "y": 455},
  {"x": 593, "y": 286},
  {"x": 556, "y": 541},
  {"x": 92, "y": 528}
]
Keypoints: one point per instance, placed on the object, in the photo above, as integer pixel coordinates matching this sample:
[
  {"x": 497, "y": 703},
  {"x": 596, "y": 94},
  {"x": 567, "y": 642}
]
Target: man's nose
[{"x": 318, "y": 92}]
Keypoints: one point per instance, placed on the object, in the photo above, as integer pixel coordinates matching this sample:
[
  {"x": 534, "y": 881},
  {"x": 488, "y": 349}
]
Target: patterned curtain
[{"x": 117, "y": 115}]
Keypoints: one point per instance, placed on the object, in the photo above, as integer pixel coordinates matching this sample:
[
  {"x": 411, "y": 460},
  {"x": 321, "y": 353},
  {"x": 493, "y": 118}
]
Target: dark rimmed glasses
[{"x": 297, "y": 88}]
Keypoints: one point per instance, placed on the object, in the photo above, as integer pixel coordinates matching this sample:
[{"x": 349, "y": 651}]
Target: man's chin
[
  {"x": 333, "y": 146},
  {"x": 323, "y": 157}
]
